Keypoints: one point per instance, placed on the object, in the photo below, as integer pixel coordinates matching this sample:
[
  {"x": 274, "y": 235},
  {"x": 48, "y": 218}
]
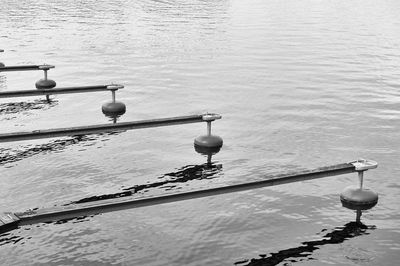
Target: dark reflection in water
[
  {"x": 13, "y": 155},
  {"x": 337, "y": 236},
  {"x": 8, "y": 238},
  {"x": 74, "y": 220},
  {"x": 18, "y": 107},
  {"x": 207, "y": 170}
]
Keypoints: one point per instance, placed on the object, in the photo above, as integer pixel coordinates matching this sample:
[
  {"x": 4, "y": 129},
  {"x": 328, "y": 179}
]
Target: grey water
[{"x": 299, "y": 84}]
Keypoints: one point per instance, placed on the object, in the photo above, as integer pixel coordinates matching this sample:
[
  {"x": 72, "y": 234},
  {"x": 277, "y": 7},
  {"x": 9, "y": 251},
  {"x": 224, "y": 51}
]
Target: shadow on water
[
  {"x": 304, "y": 252},
  {"x": 8, "y": 238},
  {"x": 18, "y": 107},
  {"x": 8, "y": 155},
  {"x": 208, "y": 170}
]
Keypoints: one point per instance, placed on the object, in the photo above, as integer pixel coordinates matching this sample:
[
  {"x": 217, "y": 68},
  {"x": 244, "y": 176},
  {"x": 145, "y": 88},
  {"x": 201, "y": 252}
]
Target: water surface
[{"x": 300, "y": 84}]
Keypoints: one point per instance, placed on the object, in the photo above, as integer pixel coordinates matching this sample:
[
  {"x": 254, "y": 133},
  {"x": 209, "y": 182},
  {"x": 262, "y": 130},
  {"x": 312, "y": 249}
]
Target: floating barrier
[
  {"x": 55, "y": 91},
  {"x": 104, "y": 128},
  {"x": 25, "y": 68},
  {"x": 11, "y": 220},
  {"x": 112, "y": 111}
]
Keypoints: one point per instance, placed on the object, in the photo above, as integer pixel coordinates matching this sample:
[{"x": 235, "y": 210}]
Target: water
[{"x": 300, "y": 84}]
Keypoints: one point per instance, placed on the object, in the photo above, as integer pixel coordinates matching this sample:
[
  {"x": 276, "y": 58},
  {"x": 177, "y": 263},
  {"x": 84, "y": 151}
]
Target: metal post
[
  {"x": 113, "y": 96},
  {"x": 209, "y": 128},
  {"x": 361, "y": 178},
  {"x": 45, "y": 78},
  {"x": 358, "y": 216}
]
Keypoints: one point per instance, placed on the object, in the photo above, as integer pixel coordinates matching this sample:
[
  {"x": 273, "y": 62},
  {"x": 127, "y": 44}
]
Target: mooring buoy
[
  {"x": 208, "y": 142},
  {"x": 207, "y": 150},
  {"x": 359, "y": 198},
  {"x": 114, "y": 108},
  {"x": 45, "y": 83}
]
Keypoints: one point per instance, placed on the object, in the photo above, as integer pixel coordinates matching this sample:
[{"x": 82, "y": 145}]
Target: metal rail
[
  {"x": 25, "y": 68},
  {"x": 103, "y": 128},
  {"x": 108, "y": 205},
  {"x": 54, "y": 91}
]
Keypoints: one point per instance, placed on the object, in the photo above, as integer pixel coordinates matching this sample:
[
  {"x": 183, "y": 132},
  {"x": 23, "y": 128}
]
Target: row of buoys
[
  {"x": 355, "y": 198},
  {"x": 112, "y": 109},
  {"x": 206, "y": 144}
]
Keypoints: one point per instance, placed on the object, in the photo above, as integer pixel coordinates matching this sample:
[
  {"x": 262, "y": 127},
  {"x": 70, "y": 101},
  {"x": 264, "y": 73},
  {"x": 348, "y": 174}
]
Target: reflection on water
[
  {"x": 304, "y": 252},
  {"x": 10, "y": 155},
  {"x": 7, "y": 238},
  {"x": 172, "y": 181},
  {"x": 299, "y": 83},
  {"x": 20, "y": 107}
]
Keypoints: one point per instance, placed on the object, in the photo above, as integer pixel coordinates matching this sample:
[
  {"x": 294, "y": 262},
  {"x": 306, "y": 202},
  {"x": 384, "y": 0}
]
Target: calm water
[{"x": 300, "y": 84}]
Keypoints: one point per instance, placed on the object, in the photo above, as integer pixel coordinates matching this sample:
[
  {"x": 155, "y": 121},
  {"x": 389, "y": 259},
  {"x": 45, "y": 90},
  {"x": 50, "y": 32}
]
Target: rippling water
[{"x": 300, "y": 84}]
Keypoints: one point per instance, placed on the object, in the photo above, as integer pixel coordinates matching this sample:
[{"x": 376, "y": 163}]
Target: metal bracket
[
  {"x": 114, "y": 87},
  {"x": 363, "y": 164},
  {"x": 8, "y": 218},
  {"x": 46, "y": 67},
  {"x": 211, "y": 117}
]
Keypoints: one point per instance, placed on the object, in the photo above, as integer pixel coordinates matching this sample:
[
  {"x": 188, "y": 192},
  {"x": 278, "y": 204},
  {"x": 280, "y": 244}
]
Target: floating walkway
[{"x": 9, "y": 220}]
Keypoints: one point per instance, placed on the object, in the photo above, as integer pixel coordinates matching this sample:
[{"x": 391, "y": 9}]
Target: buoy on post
[
  {"x": 45, "y": 83},
  {"x": 357, "y": 197},
  {"x": 208, "y": 144},
  {"x": 114, "y": 109},
  {"x": 1, "y": 64}
]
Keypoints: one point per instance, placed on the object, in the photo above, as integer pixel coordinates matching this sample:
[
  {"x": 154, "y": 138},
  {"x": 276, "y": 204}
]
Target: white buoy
[
  {"x": 209, "y": 141},
  {"x": 357, "y": 197},
  {"x": 114, "y": 108}
]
